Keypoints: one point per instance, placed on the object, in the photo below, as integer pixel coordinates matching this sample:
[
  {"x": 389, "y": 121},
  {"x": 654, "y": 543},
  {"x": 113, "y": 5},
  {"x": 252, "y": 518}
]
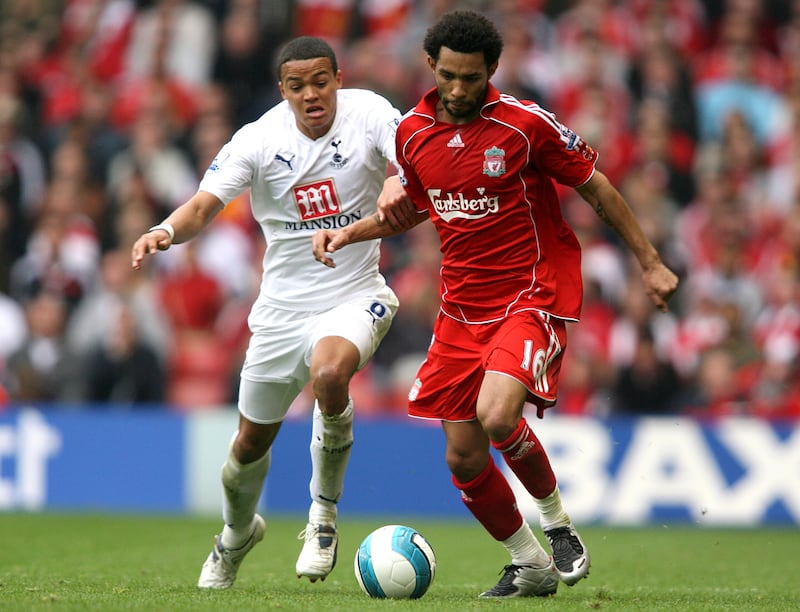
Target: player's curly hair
[
  {"x": 304, "y": 48},
  {"x": 464, "y": 32}
]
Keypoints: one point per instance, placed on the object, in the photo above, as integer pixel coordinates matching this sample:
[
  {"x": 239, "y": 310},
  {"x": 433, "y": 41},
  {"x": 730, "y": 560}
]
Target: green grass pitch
[{"x": 98, "y": 562}]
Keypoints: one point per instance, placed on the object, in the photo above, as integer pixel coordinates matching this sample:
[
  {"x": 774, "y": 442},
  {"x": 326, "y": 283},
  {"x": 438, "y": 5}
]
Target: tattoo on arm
[{"x": 601, "y": 212}]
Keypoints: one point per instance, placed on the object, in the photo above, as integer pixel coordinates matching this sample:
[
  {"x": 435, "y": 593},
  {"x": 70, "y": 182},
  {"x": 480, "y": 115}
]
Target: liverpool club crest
[{"x": 494, "y": 161}]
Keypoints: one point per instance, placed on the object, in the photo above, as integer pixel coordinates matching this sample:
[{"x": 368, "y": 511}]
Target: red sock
[
  {"x": 490, "y": 499},
  {"x": 526, "y": 457}
]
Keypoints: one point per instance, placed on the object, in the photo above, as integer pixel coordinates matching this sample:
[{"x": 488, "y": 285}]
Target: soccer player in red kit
[{"x": 482, "y": 166}]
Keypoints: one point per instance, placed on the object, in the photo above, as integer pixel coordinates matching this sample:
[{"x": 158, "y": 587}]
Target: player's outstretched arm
[
  {"x": 325, "y": 242},
  {"x": 183, "y": 224},
  {"x": 660, "y": 282}
]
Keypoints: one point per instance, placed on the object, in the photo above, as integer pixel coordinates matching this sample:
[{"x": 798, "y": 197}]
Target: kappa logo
[{"x": 456, "y": 142}]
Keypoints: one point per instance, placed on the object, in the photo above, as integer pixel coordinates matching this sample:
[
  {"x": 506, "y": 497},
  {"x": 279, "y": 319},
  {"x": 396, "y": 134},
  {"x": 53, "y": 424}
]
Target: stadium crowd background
[{"x": 110, "y": 111}]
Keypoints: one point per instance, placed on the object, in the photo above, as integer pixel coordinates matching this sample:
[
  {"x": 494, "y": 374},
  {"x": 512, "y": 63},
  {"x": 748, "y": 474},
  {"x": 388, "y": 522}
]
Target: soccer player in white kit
[{"x": 318, "y": 159}]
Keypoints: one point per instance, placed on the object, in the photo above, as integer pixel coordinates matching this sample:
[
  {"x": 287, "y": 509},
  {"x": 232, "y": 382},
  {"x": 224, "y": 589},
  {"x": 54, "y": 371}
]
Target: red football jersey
[{"x": 489, "y": 187}]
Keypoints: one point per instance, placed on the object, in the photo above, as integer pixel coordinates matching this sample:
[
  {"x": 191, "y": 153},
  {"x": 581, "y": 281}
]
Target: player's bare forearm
[
  {"x": 185, "y": 222},
  {"x": 190, "y": 219},
  {"x": 326, "y": 242},
  {"x": 612, "y": 208},
  {"x": 660, "y": 282}
]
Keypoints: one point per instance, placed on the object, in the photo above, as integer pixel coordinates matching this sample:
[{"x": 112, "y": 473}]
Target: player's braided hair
[
  {"x": 304, "y": 48},
  {"x": 464, "y": 32}
]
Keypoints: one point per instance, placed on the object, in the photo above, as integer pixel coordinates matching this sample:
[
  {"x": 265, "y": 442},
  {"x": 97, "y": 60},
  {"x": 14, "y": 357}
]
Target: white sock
[
  {"x": 241, "y": 487},
  {"x": 322, "y": 513},
  {"x": 331, "y": 442},
  {"x": 525, "y": 549},
  {"x": 551, "y": 511}
]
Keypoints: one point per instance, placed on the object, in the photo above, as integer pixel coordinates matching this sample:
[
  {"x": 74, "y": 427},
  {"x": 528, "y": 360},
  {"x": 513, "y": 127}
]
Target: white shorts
[{"x": 276, "y": 365}]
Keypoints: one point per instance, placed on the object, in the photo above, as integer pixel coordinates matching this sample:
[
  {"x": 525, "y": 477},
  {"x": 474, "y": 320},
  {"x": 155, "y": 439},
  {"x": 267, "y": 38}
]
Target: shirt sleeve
[
  {"x": 562, "y": 154},
  {"x": 232, "y": 170},
  {"x": 386, "y": 120},
  {"x": 412, "y": 185}
]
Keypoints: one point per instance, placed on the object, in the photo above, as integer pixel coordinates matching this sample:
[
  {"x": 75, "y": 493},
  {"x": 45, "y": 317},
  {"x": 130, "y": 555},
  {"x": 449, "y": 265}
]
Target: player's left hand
[{"x": 660, "y": 284}]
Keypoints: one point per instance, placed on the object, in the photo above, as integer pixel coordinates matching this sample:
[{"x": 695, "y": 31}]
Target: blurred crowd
[{"x": 110, "y": 111}]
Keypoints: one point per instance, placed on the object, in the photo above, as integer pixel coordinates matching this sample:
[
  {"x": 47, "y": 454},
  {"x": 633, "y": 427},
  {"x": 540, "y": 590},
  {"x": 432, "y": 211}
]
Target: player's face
[
  {"x": 461, "y": 79},
  {"x": 310, "y": 87}
]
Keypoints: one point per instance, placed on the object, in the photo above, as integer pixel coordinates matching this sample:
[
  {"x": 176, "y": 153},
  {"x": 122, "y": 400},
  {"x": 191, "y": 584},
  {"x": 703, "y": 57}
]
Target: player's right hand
[
  {"x": 323, "y": 243},
  {"x": 147, "y": 244},
  {"x": 395, "y": 207}
]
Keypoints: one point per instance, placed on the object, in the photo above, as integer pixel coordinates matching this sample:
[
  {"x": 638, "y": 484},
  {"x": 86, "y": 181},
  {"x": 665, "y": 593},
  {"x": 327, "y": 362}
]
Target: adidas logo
[
  {"x": 456, "y": 142},
  {"x": 523, "y": 450}
]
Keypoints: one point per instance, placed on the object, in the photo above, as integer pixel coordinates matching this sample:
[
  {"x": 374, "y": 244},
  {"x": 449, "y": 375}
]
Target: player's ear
[
  {"x": 492, "y": 69},
  {"x": 432, "y": 63},
  {"x": 280, "y": 89},
  {"x": 339, "y": 78}
]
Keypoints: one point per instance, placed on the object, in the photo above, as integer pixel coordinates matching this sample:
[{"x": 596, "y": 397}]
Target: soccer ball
[{"x": 395, "y": 561}]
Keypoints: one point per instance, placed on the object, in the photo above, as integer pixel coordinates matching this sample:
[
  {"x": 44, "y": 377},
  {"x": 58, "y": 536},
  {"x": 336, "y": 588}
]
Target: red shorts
[{"x": 527, "y": 346}]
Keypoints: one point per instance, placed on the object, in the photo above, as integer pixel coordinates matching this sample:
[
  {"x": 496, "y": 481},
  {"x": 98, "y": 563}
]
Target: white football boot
[
  {"x": 219, "y": 570},
  {"x": 318, "y": 557}
]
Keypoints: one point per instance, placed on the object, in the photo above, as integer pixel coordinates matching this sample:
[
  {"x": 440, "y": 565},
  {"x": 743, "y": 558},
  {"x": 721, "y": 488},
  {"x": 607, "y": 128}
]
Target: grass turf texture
[{"x": 88, "y": 562}]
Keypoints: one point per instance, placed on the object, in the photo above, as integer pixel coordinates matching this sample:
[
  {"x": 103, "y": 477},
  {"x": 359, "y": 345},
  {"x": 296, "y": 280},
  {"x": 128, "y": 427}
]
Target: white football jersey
[{"x": 299, "y": 185}]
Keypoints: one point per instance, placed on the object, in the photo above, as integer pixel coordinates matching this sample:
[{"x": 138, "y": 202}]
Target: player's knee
[
  {"x": 498, "y": 422},
  {"x": 498, "y": 425},
  {"x": 330, "y": 380},
  {"x": 251, "y": 446},
  {"x": 464, "y": 465}
]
